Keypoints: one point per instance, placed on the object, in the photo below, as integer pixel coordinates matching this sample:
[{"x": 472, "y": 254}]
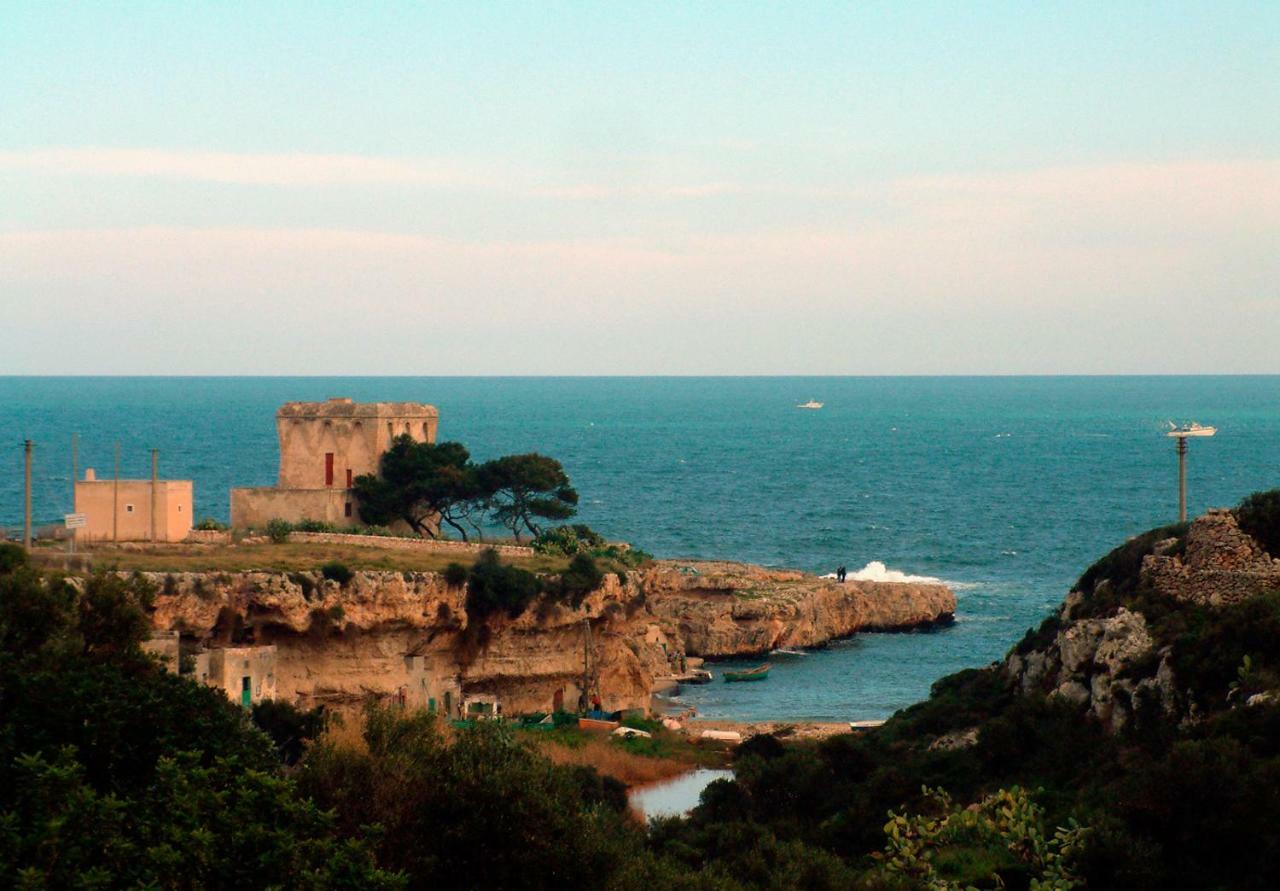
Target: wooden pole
[
  {"x": 115, "y": 500},
  {"x": 155, "y": 468},
  {"x": 28, "y": 446}
]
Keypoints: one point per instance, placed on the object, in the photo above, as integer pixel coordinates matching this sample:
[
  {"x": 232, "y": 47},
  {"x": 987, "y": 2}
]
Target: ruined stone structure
[
  {"x": 1221, "y": 564},
  {"x": 120, "y": 510},
  {"x": 324, "y": 446}
]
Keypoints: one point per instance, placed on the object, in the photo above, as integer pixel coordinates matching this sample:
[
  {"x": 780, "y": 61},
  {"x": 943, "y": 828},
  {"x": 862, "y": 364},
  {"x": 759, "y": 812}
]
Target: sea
[{"x": 1007, "y": 488}]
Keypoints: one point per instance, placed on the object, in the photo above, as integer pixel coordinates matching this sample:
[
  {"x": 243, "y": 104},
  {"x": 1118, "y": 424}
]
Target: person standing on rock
[{"x": 840, "y": 574}]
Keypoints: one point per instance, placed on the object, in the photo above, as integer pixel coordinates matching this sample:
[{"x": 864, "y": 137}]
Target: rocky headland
[{"x": 341, "y": 642}]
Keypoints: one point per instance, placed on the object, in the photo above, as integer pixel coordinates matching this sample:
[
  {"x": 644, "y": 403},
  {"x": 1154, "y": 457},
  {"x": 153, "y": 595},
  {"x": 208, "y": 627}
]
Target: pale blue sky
[{"x": 588, "y": 188}]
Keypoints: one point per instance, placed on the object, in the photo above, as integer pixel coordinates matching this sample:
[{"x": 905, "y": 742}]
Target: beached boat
[
  {"x": 812, "y": 403},
  {"x": 600, "y": 724},
  {"x": 759, "y": 673},
  {"x": 696, "y": 676}
]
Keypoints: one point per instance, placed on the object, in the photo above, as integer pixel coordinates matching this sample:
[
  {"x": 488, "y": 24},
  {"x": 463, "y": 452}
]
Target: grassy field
[{"x": 291, "y": 557}]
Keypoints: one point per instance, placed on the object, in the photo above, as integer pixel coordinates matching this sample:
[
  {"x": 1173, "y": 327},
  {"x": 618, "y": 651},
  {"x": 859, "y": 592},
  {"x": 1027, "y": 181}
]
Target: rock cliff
[
  {"x": 342, "y": 642},
  {"x": 1100, "y": 650}
]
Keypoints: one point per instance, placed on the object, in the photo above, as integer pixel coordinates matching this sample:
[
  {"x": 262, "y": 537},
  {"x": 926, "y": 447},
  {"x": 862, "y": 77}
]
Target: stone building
[
  {"x": 246, "y": 674},
  {"x": 324, "y": 446},
  {"x": 120, "y": 510}
]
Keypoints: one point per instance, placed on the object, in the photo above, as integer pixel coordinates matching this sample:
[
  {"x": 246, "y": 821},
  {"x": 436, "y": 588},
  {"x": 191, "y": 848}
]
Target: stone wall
[
  {"x": 1221, "y": 564},
  {"x": 427, "y": 545}
]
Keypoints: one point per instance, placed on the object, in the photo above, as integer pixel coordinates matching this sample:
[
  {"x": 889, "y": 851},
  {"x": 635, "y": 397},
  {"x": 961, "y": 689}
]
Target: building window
[
  {"x": 128, "y": 508},
  {"x": 426, "y": 432},
  {"x": 179, "y": 508}
]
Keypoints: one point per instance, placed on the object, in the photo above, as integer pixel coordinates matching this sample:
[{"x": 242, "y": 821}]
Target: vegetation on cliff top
[{"x": 420, "y": 483}]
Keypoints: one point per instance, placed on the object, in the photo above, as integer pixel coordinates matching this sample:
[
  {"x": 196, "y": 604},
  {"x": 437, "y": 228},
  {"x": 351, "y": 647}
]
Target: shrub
[
  {"x": 492, "y": 587},
  {"x": 289, "y": 727},
  {"x": 306, "y": 525},
  {"x": 455, "y": 575},
  {"x": 580, "y": 579},
  {"x": 209, "y": 524},
  {"x": 568, "y": 540},
  {"x": 336, "y": 571},
  {"x": 1259, "y": 516},
  {"x": 12, "y": 557},
  {"x": 278, "y": 530}
]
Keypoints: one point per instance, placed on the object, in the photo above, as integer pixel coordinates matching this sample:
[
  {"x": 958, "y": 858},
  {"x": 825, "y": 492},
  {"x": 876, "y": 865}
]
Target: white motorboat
[{"x": 812, "y": 403}]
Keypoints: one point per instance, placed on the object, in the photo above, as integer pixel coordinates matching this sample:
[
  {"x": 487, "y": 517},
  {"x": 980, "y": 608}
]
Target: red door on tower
[{"x": 328, "y": 468}]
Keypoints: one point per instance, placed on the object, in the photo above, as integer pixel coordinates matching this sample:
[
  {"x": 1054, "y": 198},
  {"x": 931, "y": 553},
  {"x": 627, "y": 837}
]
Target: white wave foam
[{"x": 875, "y": 571}]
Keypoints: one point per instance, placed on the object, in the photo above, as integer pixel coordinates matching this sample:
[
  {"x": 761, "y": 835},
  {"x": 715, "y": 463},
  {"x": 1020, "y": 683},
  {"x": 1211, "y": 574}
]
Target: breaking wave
[{"x": 875, "y": 571}]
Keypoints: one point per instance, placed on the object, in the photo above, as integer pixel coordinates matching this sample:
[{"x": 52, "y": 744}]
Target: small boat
[
  {"x": 696, "y": 676},
  {"x": 812, "y": 403},
  {"x": 759, "y": 673},
  {"x": 598, "y": 724}
]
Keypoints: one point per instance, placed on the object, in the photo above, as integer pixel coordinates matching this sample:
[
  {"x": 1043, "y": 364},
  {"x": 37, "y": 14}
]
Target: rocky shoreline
[{"x": 344, "y": 642}]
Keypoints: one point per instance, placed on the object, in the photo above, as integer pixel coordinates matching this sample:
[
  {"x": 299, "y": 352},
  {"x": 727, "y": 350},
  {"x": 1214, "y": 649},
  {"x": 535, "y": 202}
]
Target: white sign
[{"x": 76, "y": 521}]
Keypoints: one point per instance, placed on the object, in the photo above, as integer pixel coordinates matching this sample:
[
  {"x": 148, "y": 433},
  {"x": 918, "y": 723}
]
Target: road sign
[{"x": 76, "y": 521}]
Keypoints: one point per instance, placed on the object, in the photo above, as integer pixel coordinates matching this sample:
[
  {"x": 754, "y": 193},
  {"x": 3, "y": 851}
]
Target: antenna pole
[
  {"x": 155, "y": 467},
  {"x": 1182, "y": 479}
]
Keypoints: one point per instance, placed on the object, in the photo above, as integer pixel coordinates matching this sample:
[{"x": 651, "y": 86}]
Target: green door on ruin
[{"x": 246, "y": 694}]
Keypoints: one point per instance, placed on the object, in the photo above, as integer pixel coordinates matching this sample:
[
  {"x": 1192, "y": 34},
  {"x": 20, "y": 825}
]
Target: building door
[
  {"x": 557, "y": 702},
  {"x": 448, "y": 704},
  {"x": 246, "y": 692},
  {"x": 328, "y": 468}
]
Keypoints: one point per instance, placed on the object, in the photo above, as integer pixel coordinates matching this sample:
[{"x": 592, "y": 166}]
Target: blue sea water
[{"x": 1006, "y": 487}]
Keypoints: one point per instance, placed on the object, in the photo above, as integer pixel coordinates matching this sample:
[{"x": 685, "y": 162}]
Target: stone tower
[{"x": 324, "y": 446}]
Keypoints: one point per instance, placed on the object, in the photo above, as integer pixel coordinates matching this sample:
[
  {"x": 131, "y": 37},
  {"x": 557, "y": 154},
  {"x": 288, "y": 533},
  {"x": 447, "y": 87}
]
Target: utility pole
[
  {"x": 1180, "y": 436},
  {"x": 75, "y": 470},
  {"x": 155, "y": 467},
  {"x": 115, "y": 500},
  {"x": 28, "y": 446}
]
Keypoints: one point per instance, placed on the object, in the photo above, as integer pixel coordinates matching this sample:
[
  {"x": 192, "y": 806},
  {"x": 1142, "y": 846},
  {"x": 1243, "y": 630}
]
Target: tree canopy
[
  {"x": 525, "y": 489},
  {"x": 422, "y": 484},
  {"x": 425, "y": 484}
]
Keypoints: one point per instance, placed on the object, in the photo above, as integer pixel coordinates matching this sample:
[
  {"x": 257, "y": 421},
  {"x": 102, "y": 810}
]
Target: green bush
[
  {"x": 305, "y": 525},
  {"x": 1259, "y": 516},
  {"x": 494, "y": 587},
  {"x": 12, "y": 557},
  {"x": 289, "y": 727},
  {"x": 566, "y": 541},
  {"x": 209, "y": 524},
  {"x": 136, "y": 777},
  {"x": 456, "y": 575},
  {"x": 480, "y": 810},
  {"x": 580, "y": 579},
  {"x": 278, "y": 530},
  {"x": 336, "y": 571}
]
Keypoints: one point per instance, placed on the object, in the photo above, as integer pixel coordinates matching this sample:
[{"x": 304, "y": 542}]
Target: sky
[{"x": 598, "y": 188}]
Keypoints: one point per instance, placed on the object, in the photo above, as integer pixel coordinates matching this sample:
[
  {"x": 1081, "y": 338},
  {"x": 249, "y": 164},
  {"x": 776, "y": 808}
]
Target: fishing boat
[
  {"x": 759, "y": 673},
  {"x": 812, "y": 403}
]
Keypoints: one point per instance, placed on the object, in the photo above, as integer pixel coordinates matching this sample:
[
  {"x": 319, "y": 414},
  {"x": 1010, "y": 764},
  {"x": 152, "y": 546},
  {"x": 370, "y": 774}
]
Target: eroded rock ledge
[{"x": 348, "y": 641}]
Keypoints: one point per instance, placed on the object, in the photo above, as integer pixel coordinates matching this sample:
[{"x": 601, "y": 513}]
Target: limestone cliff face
[
  {"x": 730, "y": 609},
  {"x": 341, "y": 642}
]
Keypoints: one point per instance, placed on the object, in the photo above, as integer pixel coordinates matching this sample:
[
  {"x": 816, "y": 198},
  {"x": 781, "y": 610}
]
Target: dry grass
[
  {"x": 293, "y": 557},
  {"x": 612, "y": 760}
]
